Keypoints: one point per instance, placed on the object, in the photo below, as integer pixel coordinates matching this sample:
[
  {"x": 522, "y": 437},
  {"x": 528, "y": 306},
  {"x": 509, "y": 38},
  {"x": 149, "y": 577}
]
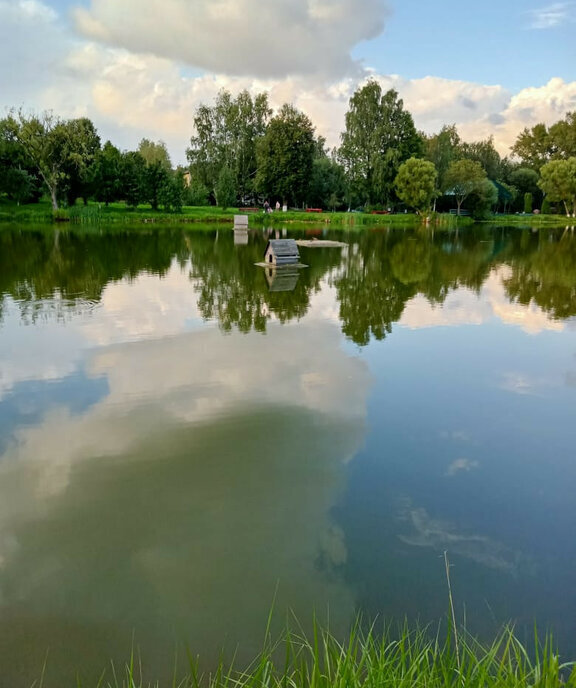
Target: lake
[{"x": 188, "y": 441}]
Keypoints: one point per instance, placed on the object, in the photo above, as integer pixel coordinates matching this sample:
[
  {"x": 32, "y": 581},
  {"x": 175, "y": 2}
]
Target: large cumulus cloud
[{"x": 242, "y": 37}]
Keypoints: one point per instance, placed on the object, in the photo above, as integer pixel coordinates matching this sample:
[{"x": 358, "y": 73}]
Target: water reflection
[
  {"x": 164, "y": 466},
  {"x": 159, "y": 503},
  {"x": 49, "y": 273}
]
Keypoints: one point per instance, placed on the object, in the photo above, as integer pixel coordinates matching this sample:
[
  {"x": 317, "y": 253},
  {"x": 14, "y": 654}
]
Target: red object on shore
[{"x": 313, "y": 210}]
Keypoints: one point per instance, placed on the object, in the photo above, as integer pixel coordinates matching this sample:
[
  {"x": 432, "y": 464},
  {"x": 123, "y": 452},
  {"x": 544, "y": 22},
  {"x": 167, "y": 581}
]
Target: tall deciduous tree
[
  {"x": 285, "y": 156},
  {"x": 327, "y": 186},
  {"x": 558, "y": 181},
  {"x": 108, "y": 174},
  {"x": 82, "y": 146},
  {"x": 17, "y": 178},
  {"x": 155, "y": 152},
  {"x": 62, "y": 151},
  {"x": 44, "y": 139},
  {"x": 463, "y": 178},
  {"x": 484, "y": 153},
  {"x": 416, "y": 183},
  {"x": 380, "y": 135},
  {"x": 226, "y": 135},
  {"x": 442, "y": 149},
  {"x": 563, "y": 137},
  {"x": 133, "y": 178},
  {"x": 533, "y": 146}
]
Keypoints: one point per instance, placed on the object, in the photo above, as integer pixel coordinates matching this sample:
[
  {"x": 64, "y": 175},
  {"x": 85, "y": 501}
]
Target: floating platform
[{"x": 320, "y": 243}]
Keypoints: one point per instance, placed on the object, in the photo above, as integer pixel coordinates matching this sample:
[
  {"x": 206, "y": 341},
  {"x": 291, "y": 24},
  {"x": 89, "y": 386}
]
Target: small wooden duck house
[
  {"x": 282, "y": 280},
  {"x": 281, "y": 252}
]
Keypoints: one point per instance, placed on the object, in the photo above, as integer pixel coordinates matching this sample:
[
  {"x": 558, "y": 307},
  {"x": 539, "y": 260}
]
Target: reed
[{"x": 410, "y": 658}]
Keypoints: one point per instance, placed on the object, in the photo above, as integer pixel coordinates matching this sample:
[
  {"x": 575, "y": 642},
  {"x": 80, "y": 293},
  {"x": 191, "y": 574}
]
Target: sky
[{"x": 140, "y": 68}]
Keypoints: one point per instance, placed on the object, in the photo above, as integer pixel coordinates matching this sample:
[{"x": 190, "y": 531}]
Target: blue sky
[
  {"x": 490, "y": 42},
  {"x": 141, "y": 67}
]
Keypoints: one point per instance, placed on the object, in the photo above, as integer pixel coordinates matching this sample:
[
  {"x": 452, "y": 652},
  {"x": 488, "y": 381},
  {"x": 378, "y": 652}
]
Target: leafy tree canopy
[
  {"x": 226, "y": 135},
  {"x": 416, "y": 183},
  {"x": 558, "y": 181},
  {"x": 155, "y": 153},
  {"x": 285, "y": 157},
  {"x": 463, "y": 178},
  {"x": 379, "y": 136}
]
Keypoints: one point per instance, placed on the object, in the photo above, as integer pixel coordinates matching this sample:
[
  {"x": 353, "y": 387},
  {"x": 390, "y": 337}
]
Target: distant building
[{"x": 281, "y": 252}]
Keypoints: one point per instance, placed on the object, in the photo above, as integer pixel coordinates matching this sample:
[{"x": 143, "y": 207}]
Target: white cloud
[
  {"x": 461, "y": 465},
  {"x": 423, "y": 530},
  {"x": 552, "y": 15},
  {"x": 244, "y": 37},
  {"x": 32, "y": 47},
  {"x": 130, "y": 95},
  {"x": 465, "y": 307},
  {"x": 548, "y": 103}
]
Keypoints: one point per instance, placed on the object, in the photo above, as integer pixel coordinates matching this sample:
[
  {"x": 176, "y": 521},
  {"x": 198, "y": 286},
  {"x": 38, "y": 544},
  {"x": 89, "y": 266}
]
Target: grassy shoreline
[
  {"x": 117, "y": 213},
  {"x": 410, "y": 658}
]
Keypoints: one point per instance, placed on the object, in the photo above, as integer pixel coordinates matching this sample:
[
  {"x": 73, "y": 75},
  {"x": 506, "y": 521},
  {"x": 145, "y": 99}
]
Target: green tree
[
  {"x": 44, "y": 139},
  {"x": 285, "y": 156},
  {"x": 226, "y": 135},
  {"x": 527, "y": 202},
  {"x": 379, "y": 136},
  {"x": 171, "y": 192},
  {"x": 62, "y": 152},
  {"x": 507, "y": 194},
  {"x": 196, "y": 193},
  {"x": 558, "y": 182},
  {"x": 484, "y": 153},
  {"x": 225, "y": 188},
  {"x": 533, "y": 146},
  {"x": 156, "y": 178},
  {"x": 153, "y": 152},
  {"x": 442, "y": 149},
  {"x": 328, "y": 185},
  {"x": 108, "y": 174},
  {"x": 462, "y": 179},
  {"x": 483, "y": 198},
  {"x": 525, "y": 180},
  {"x": 17, "y": 178},
  {"x": 82, "y": 147},
  {"x": 133, "y": 178},
  {"x": 563, "y": 137},
  {"x": 416, "y": 184}
]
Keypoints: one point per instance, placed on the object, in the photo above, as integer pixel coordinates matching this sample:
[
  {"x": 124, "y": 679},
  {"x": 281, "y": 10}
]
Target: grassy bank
[
  {"x": 408, "y": 659},
  {"x": 118, "y": 213},
  {"x": 531, "y": 220}
]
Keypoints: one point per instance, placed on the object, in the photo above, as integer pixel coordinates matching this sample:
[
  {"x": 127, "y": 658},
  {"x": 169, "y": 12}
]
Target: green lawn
[{"x": 41, "y": 213}]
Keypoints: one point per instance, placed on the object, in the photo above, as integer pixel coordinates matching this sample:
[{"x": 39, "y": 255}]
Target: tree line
[{"x": 242, "y": 153}]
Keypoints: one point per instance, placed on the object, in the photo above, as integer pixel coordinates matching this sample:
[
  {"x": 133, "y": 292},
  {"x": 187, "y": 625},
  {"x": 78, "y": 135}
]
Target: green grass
[
  {"x": 97, "y": 213},
  {"x": 411, "y": 658},
  {"x": 531, "y": 220}
]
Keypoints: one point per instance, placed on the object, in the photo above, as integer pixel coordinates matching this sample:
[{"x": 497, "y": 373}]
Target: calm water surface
[{"x": 185, "y": 438}]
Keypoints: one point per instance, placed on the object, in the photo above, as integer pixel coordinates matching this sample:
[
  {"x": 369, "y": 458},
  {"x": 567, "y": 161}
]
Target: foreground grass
[{"x": 410, "y": 659}]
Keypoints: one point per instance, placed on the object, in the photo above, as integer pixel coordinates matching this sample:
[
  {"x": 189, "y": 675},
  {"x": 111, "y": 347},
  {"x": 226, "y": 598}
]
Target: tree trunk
[{"x": 54, "y": 198}]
